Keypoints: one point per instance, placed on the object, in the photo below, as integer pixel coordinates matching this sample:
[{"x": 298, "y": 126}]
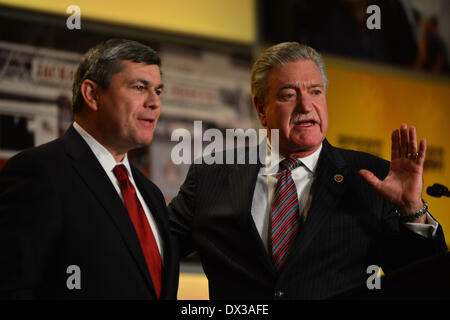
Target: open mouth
[
  {"x": 305, "y": 123},
  {"x": 147, "y": 121}
]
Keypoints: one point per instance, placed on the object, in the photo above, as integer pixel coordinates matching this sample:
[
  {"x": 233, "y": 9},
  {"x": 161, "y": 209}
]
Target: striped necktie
[{"x": 285, "y": 213}]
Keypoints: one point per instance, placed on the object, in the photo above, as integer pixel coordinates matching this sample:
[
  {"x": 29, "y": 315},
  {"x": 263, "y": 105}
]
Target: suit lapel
[
  {"x": 241, "y": 183},
  {"x": 327, "y": 191},
  {"x": 91, "y": 172}
]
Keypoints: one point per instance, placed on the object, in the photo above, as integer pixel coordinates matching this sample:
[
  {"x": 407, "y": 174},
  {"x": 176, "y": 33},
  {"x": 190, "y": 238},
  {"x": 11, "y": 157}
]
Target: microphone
[{"x": 438, "y": 190}]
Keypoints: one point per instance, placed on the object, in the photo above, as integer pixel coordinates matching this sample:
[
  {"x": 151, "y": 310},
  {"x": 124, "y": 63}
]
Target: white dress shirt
[
  {"x": 108, "y": 163},
  {"x": 303, "y": 177}
]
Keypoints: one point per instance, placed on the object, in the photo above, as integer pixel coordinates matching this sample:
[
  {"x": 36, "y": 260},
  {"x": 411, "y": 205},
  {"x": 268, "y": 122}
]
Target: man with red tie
[{"x": 77, "y": 220}]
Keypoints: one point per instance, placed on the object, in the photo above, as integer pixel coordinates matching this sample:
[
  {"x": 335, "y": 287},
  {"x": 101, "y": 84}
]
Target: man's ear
[
  {"x": 259, "y": 106},
  {"x": 89, "y": 90}
]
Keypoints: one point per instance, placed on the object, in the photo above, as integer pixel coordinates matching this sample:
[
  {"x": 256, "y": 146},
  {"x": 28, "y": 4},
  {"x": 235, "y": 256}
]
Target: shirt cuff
[{"x": 427, "y": 230}]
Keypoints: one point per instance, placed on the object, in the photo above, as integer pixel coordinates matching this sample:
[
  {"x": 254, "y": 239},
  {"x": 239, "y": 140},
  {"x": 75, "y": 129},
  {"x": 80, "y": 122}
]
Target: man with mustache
[
  {"x": 77, "y": 220},
  {"x": 310, "y": 225}
]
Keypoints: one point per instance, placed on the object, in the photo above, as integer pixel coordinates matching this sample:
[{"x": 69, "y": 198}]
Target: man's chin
[
  {"x": 146, "y": 143},
  {"x": 143, "y": 141}
]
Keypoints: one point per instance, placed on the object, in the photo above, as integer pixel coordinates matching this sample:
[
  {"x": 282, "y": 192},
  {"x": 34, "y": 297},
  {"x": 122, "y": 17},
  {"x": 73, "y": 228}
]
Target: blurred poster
[
  {"x": 164, "y": 173},
  {"x": 35, "y": 72},
  {"x": 208, "y": 86},
  {"x": 25, "y": 125},
  {"x": 35, "y": 96}
]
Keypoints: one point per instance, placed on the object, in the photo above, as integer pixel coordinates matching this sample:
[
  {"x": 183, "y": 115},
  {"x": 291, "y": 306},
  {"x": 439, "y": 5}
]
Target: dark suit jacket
[
  {"x": 58, "y": 208},
  {"x": 348, "y": 228}
]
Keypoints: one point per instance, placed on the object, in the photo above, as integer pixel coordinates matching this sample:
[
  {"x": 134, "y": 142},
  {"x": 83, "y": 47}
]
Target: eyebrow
[
  {"x": 292, "y": 86},
  {"x": 288, "y": 86}
]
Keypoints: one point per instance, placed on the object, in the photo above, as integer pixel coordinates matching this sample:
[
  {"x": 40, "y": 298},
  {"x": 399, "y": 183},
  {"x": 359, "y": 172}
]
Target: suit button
[{"x": 279, "y": 294}]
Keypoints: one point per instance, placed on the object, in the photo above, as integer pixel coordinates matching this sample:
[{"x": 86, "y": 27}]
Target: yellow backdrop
[
  {"x": 232, "y": 20},
  {"x": 367, "y": 102}
]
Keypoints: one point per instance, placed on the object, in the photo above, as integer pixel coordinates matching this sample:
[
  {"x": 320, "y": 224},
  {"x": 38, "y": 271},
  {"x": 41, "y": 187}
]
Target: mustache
[{"x": 299, "y": 117}]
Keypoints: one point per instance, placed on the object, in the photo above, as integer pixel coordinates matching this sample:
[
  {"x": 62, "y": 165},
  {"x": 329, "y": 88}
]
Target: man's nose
[
  {"x": 304, "y": 103},
  {"x": 153, "y": 100}
]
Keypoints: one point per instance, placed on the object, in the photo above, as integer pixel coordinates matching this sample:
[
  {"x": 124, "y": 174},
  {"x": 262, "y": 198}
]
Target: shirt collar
[
  {"x": 105, "y": 158},
  {"x": 310, "y": 162}
]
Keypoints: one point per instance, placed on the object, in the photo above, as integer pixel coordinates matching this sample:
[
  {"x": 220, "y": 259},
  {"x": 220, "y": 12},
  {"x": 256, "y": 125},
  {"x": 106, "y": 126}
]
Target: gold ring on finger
[{"x": 412, "y": 155}]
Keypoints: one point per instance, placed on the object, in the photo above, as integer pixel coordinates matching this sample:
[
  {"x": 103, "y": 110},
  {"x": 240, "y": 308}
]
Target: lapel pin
[{"x": 338, "y": 177}]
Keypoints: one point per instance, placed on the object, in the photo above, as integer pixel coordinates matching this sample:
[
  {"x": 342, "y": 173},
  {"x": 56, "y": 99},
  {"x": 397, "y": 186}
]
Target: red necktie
[
  {"x": 141, "y": 225},
  {"x": 285, "y": 215}
]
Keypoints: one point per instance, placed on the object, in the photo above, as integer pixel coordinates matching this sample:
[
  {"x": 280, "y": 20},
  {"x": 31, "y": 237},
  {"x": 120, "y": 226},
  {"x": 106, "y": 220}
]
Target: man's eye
[
  {"x": 288, "y": 96},
  {"x": 139, "y": 87},
  {"x": 158, "y": 91},
  {"x": 316, "y": 92}
]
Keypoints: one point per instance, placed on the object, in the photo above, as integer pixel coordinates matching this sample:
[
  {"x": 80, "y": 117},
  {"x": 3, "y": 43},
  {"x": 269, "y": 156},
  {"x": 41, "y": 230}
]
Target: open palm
[{"x": 404, "y": 183}]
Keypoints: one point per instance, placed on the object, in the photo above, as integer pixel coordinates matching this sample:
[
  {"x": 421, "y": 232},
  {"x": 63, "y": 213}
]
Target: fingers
[
  {"x": 395, "y": 146},
  {"x": 403, "y": 140},
  {"x": 404, "y": 144},
  {"x": 412, "y": 145},
  {"x": 422, "y": 151},
  {"x": 370, "y": 178}
]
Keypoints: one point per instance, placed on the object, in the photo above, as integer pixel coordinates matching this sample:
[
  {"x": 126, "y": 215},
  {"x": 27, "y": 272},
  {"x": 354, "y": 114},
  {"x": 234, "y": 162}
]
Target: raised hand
[{"x": 404, "y": 182}]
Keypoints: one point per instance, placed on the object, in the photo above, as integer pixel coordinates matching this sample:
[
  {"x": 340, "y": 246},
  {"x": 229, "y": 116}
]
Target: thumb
[{"x": 370, "y": 178}]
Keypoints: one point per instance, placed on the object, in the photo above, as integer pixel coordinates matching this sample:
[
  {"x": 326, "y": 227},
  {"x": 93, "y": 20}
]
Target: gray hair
[
  {"x": 105, "y": 60},
  {"x": 277, "y": 56}
]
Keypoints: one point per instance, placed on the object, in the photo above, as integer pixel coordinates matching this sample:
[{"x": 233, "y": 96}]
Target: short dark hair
[{"x": 104, "y": 60}]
